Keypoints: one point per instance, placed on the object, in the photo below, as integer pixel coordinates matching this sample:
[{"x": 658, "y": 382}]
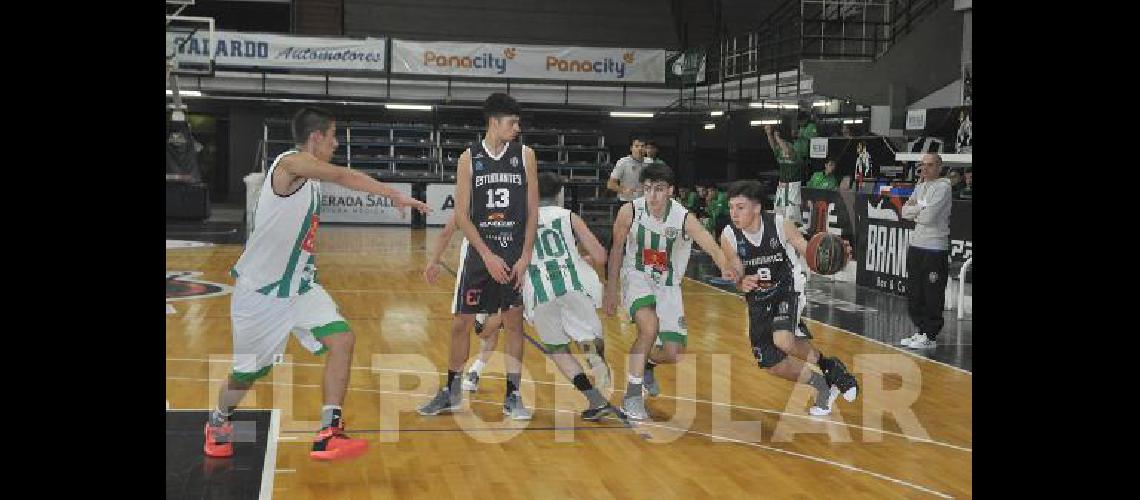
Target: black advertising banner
[
  {"x": 882, "y": 243},
  {"x": 685, "y": 67},
  {"x": 954, "y": 126},
  {"x": 825, "y": 209},
  {"x": 961, "y": 230},
  {"x": 882, "y": 237},
  {"x": 943, "y": 130}
]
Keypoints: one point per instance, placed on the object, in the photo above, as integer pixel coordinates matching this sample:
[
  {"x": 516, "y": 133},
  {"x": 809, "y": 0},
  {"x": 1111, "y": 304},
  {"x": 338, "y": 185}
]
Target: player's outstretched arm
[
  {"x": 593, "y": 247},
  {"x": 431, "y": 271},
  {"x": 705, "y": 240},
  {"x": 622, "y": 223},
  {"x": 303, "y": 164}
]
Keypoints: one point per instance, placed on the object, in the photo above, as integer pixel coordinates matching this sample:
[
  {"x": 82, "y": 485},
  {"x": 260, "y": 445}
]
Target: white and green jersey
[
  {"x": 278, "y": 259},
  {"x": 659, "y": 248},
  {"x": 556, "y": 268}
]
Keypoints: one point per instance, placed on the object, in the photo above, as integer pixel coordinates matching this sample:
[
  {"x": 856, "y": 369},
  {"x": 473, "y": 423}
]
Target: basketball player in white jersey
[
  {"x": 276, "y": 288},
  {"x": 496, "y": 208},
  {"x": 487, "y": 326},
  {"x": 765, "y": 251},
  {"x": 562, "y": 292},
  {"x": 651, "y": 242}
]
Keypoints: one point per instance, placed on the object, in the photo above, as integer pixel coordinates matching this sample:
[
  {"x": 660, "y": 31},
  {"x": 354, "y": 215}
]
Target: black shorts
[
  {"x": 780, "y": 312},
  {"x": 477, "y": 292}
]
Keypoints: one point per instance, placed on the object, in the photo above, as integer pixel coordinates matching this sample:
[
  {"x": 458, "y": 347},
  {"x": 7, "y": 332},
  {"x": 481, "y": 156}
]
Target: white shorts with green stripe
[
  {"x": 788, "y": 200},
  {"x": 570, "y": 317},
  {"x": 638, "y": 290},
  {"x": 262, "y": 324}
]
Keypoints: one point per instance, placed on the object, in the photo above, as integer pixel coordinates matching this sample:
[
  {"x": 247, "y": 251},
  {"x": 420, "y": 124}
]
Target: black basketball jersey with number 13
[
  {"x": 768, "y": 260},
  {"x": 498, "y": 199}
]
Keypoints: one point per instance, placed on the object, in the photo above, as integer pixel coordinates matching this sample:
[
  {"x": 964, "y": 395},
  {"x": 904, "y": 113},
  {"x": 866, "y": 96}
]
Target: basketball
[{"x": 825, "y": 254}]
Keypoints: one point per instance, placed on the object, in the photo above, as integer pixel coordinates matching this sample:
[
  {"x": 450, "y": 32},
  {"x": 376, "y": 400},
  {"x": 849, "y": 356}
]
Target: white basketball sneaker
[
  {"x": 922, "y": 342},
  {"x": 907, "y": 341}
]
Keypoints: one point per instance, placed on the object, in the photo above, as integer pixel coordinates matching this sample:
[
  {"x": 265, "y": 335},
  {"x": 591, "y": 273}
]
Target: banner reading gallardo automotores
[
  {"x": 237, "y": 49},
  {"x": 500, "y": 60}
]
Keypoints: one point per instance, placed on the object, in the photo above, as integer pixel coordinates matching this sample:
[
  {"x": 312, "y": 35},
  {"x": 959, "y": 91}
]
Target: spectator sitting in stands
[
  {"x": 710, "y": 193},
  {"x": 651, "y": 153},
  {"x": 697, "y": 201},
  {"x": 825, "y": 179},
  {"x": 682, "y": 194},
  {"x": 967, "y": 191},
  {"x": 956, "y": 184}
]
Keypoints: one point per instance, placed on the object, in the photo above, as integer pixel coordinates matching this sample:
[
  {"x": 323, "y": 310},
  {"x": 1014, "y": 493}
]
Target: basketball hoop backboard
[{"x": 189, "y": 49}]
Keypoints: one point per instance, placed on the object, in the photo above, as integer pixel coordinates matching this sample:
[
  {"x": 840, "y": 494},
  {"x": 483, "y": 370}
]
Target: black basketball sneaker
[
  {"x": 802, "y": 331},
  {"x": 596, "y": 414},
  {"x": 836, "y": 374}
]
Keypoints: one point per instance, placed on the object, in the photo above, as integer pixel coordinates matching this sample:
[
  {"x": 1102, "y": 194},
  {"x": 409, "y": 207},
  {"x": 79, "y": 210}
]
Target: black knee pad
[{"x": 582, "y": 383}]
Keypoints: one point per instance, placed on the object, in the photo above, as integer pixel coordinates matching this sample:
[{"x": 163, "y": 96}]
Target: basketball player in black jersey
[
  {"x": 496, "y": 207},
  {"x": 764, "y": 249}
]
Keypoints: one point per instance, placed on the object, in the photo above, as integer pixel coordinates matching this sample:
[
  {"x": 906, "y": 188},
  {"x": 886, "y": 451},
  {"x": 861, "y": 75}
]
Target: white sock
[
  {"x": 328, "y": 413},
  {"x": 477, "y": 366}
]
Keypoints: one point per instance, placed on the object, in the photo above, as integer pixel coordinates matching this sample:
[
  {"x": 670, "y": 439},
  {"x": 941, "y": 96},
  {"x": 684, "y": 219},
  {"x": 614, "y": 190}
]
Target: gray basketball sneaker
[
  {"x": 634, "y": 407},
  {"x": 442, "y": 402},
  {"x": 513, "y": 407}
]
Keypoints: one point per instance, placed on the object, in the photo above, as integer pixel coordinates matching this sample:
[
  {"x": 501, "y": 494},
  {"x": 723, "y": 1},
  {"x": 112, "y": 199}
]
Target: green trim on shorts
[
  {"x": 248, "y": 377},
  {"x": 648, "y": 300},
  {"x": 321, "y": 351},
  {"x": 674, "y": 337},
  {"x": 555, "y": 348},
  {"x": 329, "y": 329}
]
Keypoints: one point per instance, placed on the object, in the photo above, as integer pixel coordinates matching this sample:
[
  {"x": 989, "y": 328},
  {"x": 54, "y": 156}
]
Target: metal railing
[{"x": 814, "y": 29}]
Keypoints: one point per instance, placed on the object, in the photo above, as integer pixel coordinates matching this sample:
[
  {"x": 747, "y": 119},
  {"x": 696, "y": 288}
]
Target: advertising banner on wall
[
  {"x": 883, "y": 242},
  {"x": 883, "y": 237},
  {"x": 340, "y": 204},
  {"x": 945, "y": 130},
  {"x": 441, "y": 199},
  {"x": 819, "y": 147},
  {"x": 235, "y": 48},
  {"x": 961, "y": 230},
  {"x": 685, "y": 67},
  {"x": 826, "y": 210},
  {"x": 499, "y": 60}
]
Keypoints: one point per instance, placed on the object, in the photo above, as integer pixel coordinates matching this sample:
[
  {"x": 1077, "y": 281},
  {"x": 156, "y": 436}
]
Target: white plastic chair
[{"x": 962, "y": 287}]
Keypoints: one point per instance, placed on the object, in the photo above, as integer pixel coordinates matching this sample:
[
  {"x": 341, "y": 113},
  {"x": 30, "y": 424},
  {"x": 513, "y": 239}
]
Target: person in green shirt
[
  {"x": 790, "y": 168},
  {"x": 802, "y": 145},
  {"x": 825, "y": 179}
]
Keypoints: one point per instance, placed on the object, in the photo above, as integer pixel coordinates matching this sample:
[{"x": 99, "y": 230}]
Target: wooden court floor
[{"x": 722, "y": 427}]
